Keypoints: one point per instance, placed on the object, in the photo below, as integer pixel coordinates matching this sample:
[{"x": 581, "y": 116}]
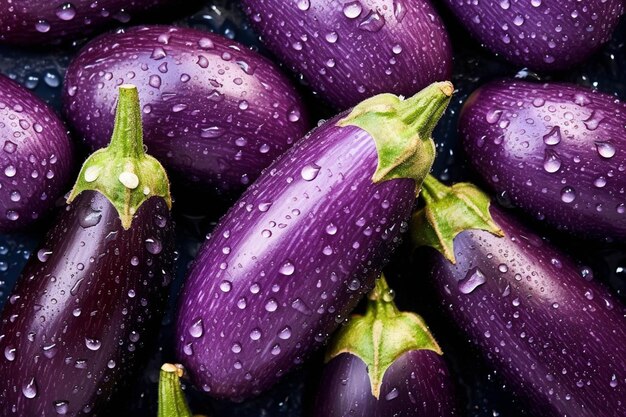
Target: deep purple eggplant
[
  {"x": 558, "y": 151},
  {"x": 349, "y": 51},
  {"x": 36, "y": 23},
  {"x": 383, "y": 364},
  {"x": 36, "y": 158},
  {"x": 540, "y": 34},
  {"x": 215, "y": 113},
  {"x": 557, "y": 339},
  {"x": 295, "y": 254},
  {"x": 89, "y": 300}
]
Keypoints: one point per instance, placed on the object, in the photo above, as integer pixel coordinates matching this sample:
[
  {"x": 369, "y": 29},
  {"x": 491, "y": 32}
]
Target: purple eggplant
[
  {"x": 557, "y": 339},
  {"x": 36, "y": 23},
  {"x": 351, "y": 50},
  {"x": 556, "y": 150},
  {"x": 295, "y": 254},
  {"x": 89, "y": 300},
  {"x": 215, "y": 113},
  {"x": 36, "y": 158},
  {"x": 540, "y": 34},
  {"x": 383, "y": 364}
]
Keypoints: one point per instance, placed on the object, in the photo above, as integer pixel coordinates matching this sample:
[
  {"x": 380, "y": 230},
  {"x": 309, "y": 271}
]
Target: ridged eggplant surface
[
  {"x": 84, "y": 309},
  {"x": 214, "y": 113},
  {"x": 288, "y": 262},
  {"x": 557, "y": 339},
  {"x": 36, "y": 158},
  {"x": 351, "y": 50},
  {"x": 557, "y": 151},
  {"x": 541, "y": 34}
]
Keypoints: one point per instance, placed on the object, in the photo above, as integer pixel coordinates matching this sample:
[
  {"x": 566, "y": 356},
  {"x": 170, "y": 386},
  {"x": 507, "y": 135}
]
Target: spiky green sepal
[
  {"x": 402, "y": 130},
  {"x": 382, "y": 335},
  {"x": 449, "y": 211},
  {"x": 122, "y": 171}
]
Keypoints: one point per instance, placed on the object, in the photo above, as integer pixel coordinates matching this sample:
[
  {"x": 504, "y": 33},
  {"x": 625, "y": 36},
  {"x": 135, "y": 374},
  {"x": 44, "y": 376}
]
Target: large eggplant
[
  {"x": 36, "y": 23},
  {"x": 540, "y": 34},
  {"x": 88, "y": 302},
  {"x": 294, "y": 255},
  {"x": 556, "y": 150},
  {"x": 557, "y": 339},
  {"x": 351, "y": 50},
  {"x": 385, "y": 364},
  {"x": 36, "y": 157},
  {"x": 215, "y": 113}
]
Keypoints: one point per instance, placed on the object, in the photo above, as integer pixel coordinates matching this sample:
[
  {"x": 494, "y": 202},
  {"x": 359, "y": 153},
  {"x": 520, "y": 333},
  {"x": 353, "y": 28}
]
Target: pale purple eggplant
[
  {"x": 36, "y": 159},
  {"x": 385, "y": 364},
  {"x": 215, "y": 113},
  {"x": 558, "y": 151},
  {"x": 557, "y": 339},
  {"x": 540, "y": 34},
  {"x": 295, "y": 254},
  {"x": 37, "y": 23},
  {"x": 88, "y": 304},
  {"x": 351, "y": 50}
]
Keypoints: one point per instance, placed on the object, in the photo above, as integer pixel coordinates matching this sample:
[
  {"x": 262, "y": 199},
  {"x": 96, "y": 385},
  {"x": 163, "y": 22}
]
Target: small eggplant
[
  {"x": 558, "y": 340},
  {"x": 89, "y": 300},
  {"x": 540, "y": 34},
  {"x": 215, "y": 113},
  {"x": 36, "y": 23},
  {"x": 349, "y": 51},
  {"x": 557, "y": 151},
  {"x": 383, "y": 364},
  {"x": 295, "y": 254},
  {"x": 36, "y": 159}
]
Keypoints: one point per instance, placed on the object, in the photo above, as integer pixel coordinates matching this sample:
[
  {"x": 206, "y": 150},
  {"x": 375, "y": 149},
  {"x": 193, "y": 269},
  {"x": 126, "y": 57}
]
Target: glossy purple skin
[
  {"x": 36, "y": 23},
  {"x": 36, "y": 157},
  {"x": 85, "y": 309},
  {"x": 540, "y": 34},
  {"x": 385, "y": 46},
  {"x": 558, "y": 151},
  {"x": 288, "y": 262},
  {"x": 214, "y": 112},
  {"x": 417, "y": 384},
  {"x": 558, "y": 340}
]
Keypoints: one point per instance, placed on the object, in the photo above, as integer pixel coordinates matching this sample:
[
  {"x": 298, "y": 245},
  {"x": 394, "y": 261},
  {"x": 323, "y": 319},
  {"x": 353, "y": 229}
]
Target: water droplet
[
  {"x": 42, "y": 26},
  {"x": 196, "y": 330},
  {"x": 92, "y": 173},
  {"x": 553, "y": 137},
  {"x": 605, "y": 149},
  {"x": 287, "y": 268},
  {"x": 373, "y": 22},
  {"x": 66, "y": 11},
  {"x": 154, "y": 246},
  {"x": 392, "y": 394},
  {"x": 285, "y": 333},
  {"x": 129, "y": 180},
  {"x": 29, "y": 389},
  {"x": 154, "y": 81},
  {"x": 493, "y": 116},
  {"x": 158, "y": 53},
  {"x": 568, "y": 194},
  {"x": 10, "y": 171},
  {"x": 310, "y": 172},
  {"x": 9, "y": 353},
  {"x": 9, "y": 147},
  {"x": 271, "y": 305},
  {"x": 551, "y": 161},
  {"x": 255, "y": 334},
  {"x": 474, "y": 279},
  {"x": 331, "y": 37},
  {"x": 92, "y": 344},
  {"x": 43, "y": 254},
  {"x": 594, "y": 120},
  {"x": 352, "y": 10},
  {"x": 304, "y": 5},
  {"x": 61, "y": 407}
]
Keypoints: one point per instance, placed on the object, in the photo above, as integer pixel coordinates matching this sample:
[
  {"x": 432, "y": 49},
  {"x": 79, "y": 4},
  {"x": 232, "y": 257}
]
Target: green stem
[
  {"x": 172, "y": 402},
  {"x": 122, "y": 171},
  {"x": 381, "y": 304},
  {"x": 433, "y": 190}
]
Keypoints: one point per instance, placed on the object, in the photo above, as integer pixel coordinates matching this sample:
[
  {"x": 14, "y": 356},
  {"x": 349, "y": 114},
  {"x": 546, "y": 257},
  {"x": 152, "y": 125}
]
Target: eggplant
[
  {"x": 215, "y": 113},
  {"x": 294, "y": 255},
  {"x": 89, "y": 301},
  {"x": 351, "y": 50},
  {"x": 37, "y": 23},
  {"x": 383, "y": 364},
  {"x": 546, "y": 35},
  {"x": 558, "y": 340},
  {"x": 555, "y": 150},
  {"x": 36, "y": 158}
]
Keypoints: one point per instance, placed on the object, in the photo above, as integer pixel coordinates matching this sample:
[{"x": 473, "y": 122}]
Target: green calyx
[
  {"x": 382, "y": 335},
  {"x": 122, "y": 171},
  {"x": 172, "y": 402},
  {"x": 447, "y": 212},
  {"x": 402, "y": 130}
]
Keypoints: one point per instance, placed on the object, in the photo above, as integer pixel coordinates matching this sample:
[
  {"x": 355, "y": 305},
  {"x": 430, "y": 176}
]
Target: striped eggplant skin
[
  {"x": 37, "y": 23},
  {"x": 349, "y": 51},
  {"x": 36, "y": 159},
  {"x": 417, "y": 384},
  {"x": 85, "y": 309},
  {"x": 288, "y": 262},
  {"x": 558, "y": 151},
  {"x": 214, "y": 113},
  {"x": 558, "y": 340},
  {"x": 544, "y": 35}
]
